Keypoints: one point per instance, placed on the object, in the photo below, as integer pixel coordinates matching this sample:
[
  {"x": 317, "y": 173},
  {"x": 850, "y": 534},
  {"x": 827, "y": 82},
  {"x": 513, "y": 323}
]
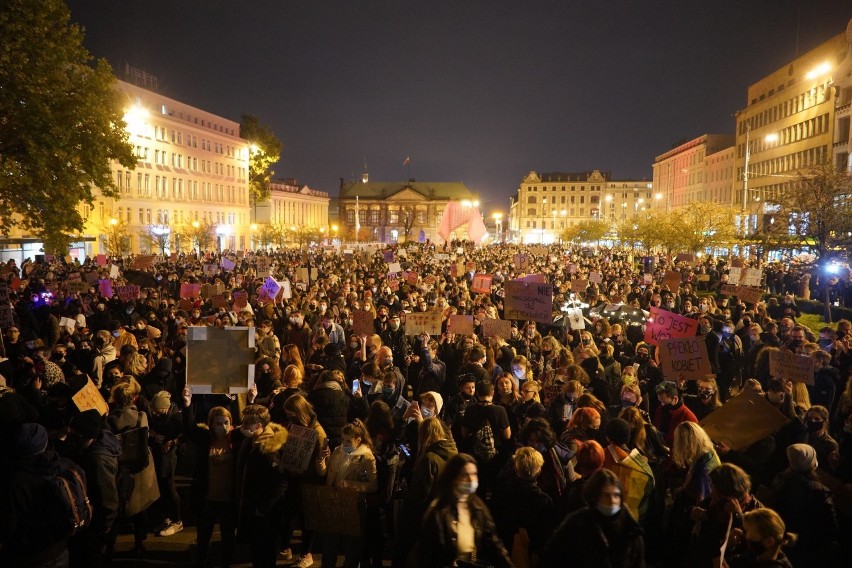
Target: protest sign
[
  {"x": 684, "y": 357},
  {"x": 785, "y": 364},
  {"x": 105, "y": 288},
  {"x": 188, "y": 290},
  {"x": 496, "y": 328},
  {"x": 219, "y": 302},
  {"x": 481, "y": 283},
  {"x": 662, "y": 325},
  {"x": 185, "y": 304},
  {"x": 525, "y": 301},
  {"x": 549, "y": 393},
  {"x": 220, "y": 360},
  {"x": 647, "y": 279},
  {"x": 460, "y": 325},
  {"x": 749, "y": 295},
  {"x": 538, "y": 250},
  {"x": 412, "y": 278},
  {"x": 296, "y": 453},
  {"x": 575, "y": 317},
  {"x": 127, "y": 293},
  {"x": 393, "y": 284},
  {"x": 672, "y": 279},
  {"x": 417, "y": 323},
  {"x": 113, "y": 271},
  {"x": 362, "y": 323},
  {"x": 101, "y": 260},
  {"x": 533, "y": 279},
  {"x": 240, "y": 298},
  {"x": 685, "y": 257},
  {"x": 210, "y": 269},
  {"x": 227, "y": 264},
  {"x": 263, "y": 264},
  {"x": 286, "y": 291},
  {"x": 210, "y": 290},
  {"x": 394, "y": 268},
  {"x": 743, "y": 420},
  {"x": 388, "y": 256},
  {"x": 579, "y": 286},
  {"x": 76, "y": 287},
  {"x": 74, "y": 277},
  {"x": 751, "y": 277},
  {"x": 595, "y": 277},
  {"x": 270, "y": 288},
  {"x": 143, "y": 262},
  {"x": 89, "y": 398},
  {"x": 703, "y": 278},
  {"x": 522, "y": 262},
  {"x": 331, "y": 510},
  {"x": 735, "y": 274}
]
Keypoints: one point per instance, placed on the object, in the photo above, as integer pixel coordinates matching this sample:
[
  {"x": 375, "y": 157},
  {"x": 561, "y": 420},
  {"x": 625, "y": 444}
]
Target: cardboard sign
[
  {"x": 388, "y": 256},
  {"x": 751, "y": 277},
  {"x": 188, "y": 290},
  {"x": 227, "y": 264},
  {"x": 579, "y": 286},
  {"x": 549, "y": 393},
  {"x": 647, "y": 279},
  {"x": 412, "y": 278},
  {"x": 685, "y": 257},
  {"x": 672, "y": 279},
  {"x": 746, "y": 294},
  {"x": 113, "y": 271},
  {"x": 575, "y": 317},
  {"x": 362, "y": 323},
  {"x": 538, "y": 250},
  {"x": 417, "y": 323},
  {"x": 210, "y": 290},
  {"x": 105, "y": 288},
  {"x": 143, "y": 262},
  {"x": 496, "y": 328},
  {"x": 331, "y": 510},
  {"x": 263, "y": 263},
  {"x": 481, "y": 283},
  {"x": 220, "y": 360},
  {"x": 703, "y": 278},
  {"x": 662, "y": 325},
  {"x": 737, "y": 262},
  {"x": 185, "y": 304},
  {"x": 240, "y": 298},
  {"x": 89, "y": 397},
  {"x": 127, "y": 293},
  {"x": 219, "y": 302},
  {"x": 210, "y": 269},
  {"x": 460, "y": 325},
  {"x": 572, "y": 269},
  {"x": 684, "y": 357},
  {"x": 286, "y": 291},
  {"x": 743, "y": 420},
  {"x": 101, "y": 260},
  {"x": 785, "y": 364},
  {"x": 394, "y": 268},
  {"x": 393, "y": 284},
  {"x": 524, "y": 301},
  {"x": 76, "y": 287},
  {"x": 735, "y": 274},
  {"x": 533, "y": 279},
  {"x": 296, "y": 453},
  {"x": 74, "y": 277},
  {"x": 595, "y": 277},
  {"x": 522, "y": 262}
]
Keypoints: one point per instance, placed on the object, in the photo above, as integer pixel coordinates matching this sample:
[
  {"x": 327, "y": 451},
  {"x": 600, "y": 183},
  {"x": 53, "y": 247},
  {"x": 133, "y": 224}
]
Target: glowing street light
[
  {"x": 253, "y": 226},
  {"x": 820, "y": 69},
  {"x": 113, "y": 221},
  {"x": 195, "y": 224}
]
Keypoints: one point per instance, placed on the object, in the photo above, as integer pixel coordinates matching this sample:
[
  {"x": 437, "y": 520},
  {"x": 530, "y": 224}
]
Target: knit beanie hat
[
  {"x": 802, "y": 457},
  {"x": 88, "y": 424},
  {"x": 161, "y": 401},
  {"x": 31, "y": 439}
]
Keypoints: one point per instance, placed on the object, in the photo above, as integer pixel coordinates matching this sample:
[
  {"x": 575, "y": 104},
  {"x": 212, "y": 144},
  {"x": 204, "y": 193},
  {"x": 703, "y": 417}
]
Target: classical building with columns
[{"x": 395, "y": 211}]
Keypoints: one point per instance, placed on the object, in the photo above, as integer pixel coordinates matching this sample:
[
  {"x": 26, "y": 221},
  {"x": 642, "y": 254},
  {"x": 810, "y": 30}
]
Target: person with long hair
[
  {"x": 380, "y": 426},
  {"x": 761, "y": 541},
  {"x": 706, "y": 401},
  {"x": 290, "y": 356},
  {"x": 603, "y": 533},
  {"x": 530, "y": 406},
  {"x": 458, "y": 525},
  {"x": 300, "y": 413},
  {"x": 556, "y": 471},
  {"x": 351, "y": 465},
  {"x": 435, "y": 448}
]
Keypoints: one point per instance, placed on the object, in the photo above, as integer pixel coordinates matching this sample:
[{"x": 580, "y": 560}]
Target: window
[
  {"x": 362, "y": 216},
  {"x": 350, "y": 216},
  {"x": 374, "y": 216},
  {"x": 531, "y": 211},
  {"x": 531, "y": 199},
  {"x": 393, "y": 217},
  {"x": 421, "y": 217}
]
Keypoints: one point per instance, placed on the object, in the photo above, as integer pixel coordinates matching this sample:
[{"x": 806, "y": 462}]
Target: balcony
[
  {"x": 843, "y": 110},
  {"x": 841, "y": 146}
]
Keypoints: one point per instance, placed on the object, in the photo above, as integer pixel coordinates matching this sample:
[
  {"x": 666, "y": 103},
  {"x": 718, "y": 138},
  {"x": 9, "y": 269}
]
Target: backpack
[
  {"x": 69, "y": 484},
  {"x": 134, "y": 448},
  {"x": 484, "y": 445}
]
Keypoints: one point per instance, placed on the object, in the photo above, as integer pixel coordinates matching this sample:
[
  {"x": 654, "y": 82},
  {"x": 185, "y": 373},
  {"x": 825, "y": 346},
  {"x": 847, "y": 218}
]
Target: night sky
[{"x": 473, "y": 91}]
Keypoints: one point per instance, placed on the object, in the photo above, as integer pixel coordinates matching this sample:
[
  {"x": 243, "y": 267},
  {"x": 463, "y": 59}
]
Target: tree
[
  {"x": 267, "y": 235},
  {"x": 628, "y": 232},
  {"x": 265, "y": 150},
  {"x": 61, "y": 123},
  {"x": 303, "y": 234},
  {"x": 158, "y": 237},
  {"x": 115, "y": 237},
  {"x": 816, "y": 209},
  {"x": 406, "y": 219},
  {"x": 201, "y": 234},
  {"x": 585, "y": 232},
  {"x": 705, "y": 225}
]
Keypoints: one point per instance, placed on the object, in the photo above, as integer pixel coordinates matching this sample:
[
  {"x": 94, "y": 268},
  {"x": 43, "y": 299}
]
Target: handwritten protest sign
[
  {"x": 331, "y": 510},
  {"x": 114, "y": 271},
  {"x": 685, "y": 257},
  {"x": 684, "y": 357},
  {"x": 524, "y": 301},
  {"x": 362, "y": 323},
  {"x": 296, "y": 453},
  {"x": 533, "y": 279},
  {"x": 286, "y": 291},
  {"x": 579, "y": 286},
  {"x": 210, "y": 290},
  {"x": 127, "y": 293},
  {"x": 572, "y": 268},
  {"x": 219, "y": 302},
  {"x": 412, "y": 278},
  {"x": 672, "y": 279},
  {"x": 240, "y": 298},
  {"x": 595, "y": 277},
  {"x": 270, "y": 288},
  {"x": 481, "y": 283},
  {"x": 143, "y": 262},
  {"x": 522, "y": 262},
  {"x": 647, "y": 279},
  {"x": 210, "y": 269},
  {"x": 549, "y": 393},
  {"x": 460, "y": 325},
  {"x": 575, "y": 317},
  {"x": 785, "y": 364},
  {"x": 703, "y": 278},
  {"x": 105, "y": 288},
  {"x": 76, "y": 287},
  {"x": 89, "y": 397},
  {"x": 662, "y": 325},
  {"x": 101, "y": 260},
  {"x": 263, "y": 264},
  {"x": 417, "y": 323},
  {"x": 394, "y": 268},
  {"x": 188, "y": 290},
  {"x": 388, "y": 256},
  {"x": 743, "y": 420},
  {"x": 496, "y": 328},
  {"x": 751, "y": 277},
  {"x": 734, "y": 274},
  {"x": 746, "y": 294},
  {"x": 227, "y": 264}
]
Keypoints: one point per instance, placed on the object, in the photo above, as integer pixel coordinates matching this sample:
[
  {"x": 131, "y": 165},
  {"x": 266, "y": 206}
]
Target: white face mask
[
  {"x": 426, "y": 412},
  {"x": 520, "y": 373},
  {"x": 467, "y": 487},
  {"x": 609, "y": 510}
]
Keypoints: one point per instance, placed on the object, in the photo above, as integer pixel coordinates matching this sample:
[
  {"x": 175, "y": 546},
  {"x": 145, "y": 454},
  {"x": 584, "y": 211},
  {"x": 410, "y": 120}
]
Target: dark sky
[{"x": 473, "y": 91}]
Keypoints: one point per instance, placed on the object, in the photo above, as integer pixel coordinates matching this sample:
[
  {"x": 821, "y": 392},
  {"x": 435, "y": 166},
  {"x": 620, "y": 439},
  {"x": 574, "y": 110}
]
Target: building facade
[
  {"x": 292, "y": 204},
  {"x": 842, "y": 79},
  {"x": 681, "y": 175},
  {"x": 193, "y": 167},
  {"x": 788, "y": 124},
  {"x": 546, "y": 204},
  {"x": 396, "y": 211}
]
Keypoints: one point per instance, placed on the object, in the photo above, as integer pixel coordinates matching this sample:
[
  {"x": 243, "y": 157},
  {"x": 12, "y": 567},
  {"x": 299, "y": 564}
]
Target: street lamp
[
  {"x": 770, "y": 138},
  {"x": 113, "y": 221},
  {"x": 498, "y": 221}
]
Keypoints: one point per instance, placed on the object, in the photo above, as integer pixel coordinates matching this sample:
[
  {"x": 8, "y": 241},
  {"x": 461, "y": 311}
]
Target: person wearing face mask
[
  {"x": 351, "y": 465},
  {"x": 121, "y": 337},
  {"x": 517, "y": 341},
  {"x": 707, "y": 399},
  {"x": 827, "y": 449},
  {"x": 761, "y": 541},
  {"x": 266, "y": 342},
  {"x": 298, "y": 333},
  {"x": 393, "y": 337},
  {"x": 755, "y": 341},
  {"x": 458, "y": 525},
  {"x": 671, "y": 412},
  {"x": 562, "y": 408},
  {"x": 333, "y": 330},
  {"x": 433, "y": 371},
  {"x": 166, "y": 426},
  {"x": 603, "y": 533},
  {"x": 105, "y": 353},
  {"x": 261, "y": 483},
  {"x": 826, "y": 381}
]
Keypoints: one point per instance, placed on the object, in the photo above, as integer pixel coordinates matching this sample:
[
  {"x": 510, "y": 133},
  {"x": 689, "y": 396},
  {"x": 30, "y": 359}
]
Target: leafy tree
[
  {"x": 585, "y": 232},
  {"x": 115, "y": 237},
  {"x": 264, "y": 152},
  {"x": 705, "y": 225},
  {"x": 60, "y": 123},
  {"x": 200, "y": 234},
  {"x": 628, "y": 232},
  {"x": 302, "y": 235},
  {"x": 157, "y": 237},
  {"x": 267, "y": 235}
]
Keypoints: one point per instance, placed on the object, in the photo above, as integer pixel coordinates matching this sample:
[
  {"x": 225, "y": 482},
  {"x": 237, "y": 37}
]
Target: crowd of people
[{"x": 562, "y": 443}]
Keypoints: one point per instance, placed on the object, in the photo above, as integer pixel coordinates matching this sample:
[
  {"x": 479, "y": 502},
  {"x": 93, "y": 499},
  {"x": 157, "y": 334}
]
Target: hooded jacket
[
  {"x": 100, "y": 462},
  {"x": 357, "y": 469},
  {"x": 261, "y": 478},
  {"x": 331, "y": 405}
]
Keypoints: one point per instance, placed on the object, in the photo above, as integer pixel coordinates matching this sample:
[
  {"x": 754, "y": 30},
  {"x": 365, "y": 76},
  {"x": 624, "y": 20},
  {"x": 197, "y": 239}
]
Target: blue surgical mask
[
  {"x": 348, "y": 449},
  {"x": 426, "y": 412}
]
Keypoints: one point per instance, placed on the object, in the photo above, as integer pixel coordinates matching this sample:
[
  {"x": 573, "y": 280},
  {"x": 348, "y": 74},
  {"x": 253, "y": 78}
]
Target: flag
[
  {"x": 357, "y": 216},
  {"x": 475, "y": 228},
  {"x": 407, "y": 161}
]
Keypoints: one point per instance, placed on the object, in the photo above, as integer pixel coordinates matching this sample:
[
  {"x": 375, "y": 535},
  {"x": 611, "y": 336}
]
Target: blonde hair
[
  {"x": 304, "y": 410},
  {"x": 429, "y": 431},
  {"x": 801, "y": 398},
  {"x": 122, "y": 394},
  {"x": 256, "y": 414},
  {"x": 766, "y": 523},
  {"x": 291, "y": 354},
  {"x": 292, "y": 376},
  {"x": 138, "y": 365},
  {"x": 536, "y": 387},
  {"x": 216, "y": 412},
  {"x": 690, "y": 443},
  {"x": 521, "y": 360},
  {"x": 638, "y": 436},
  {"x": 527, "y": 462}
]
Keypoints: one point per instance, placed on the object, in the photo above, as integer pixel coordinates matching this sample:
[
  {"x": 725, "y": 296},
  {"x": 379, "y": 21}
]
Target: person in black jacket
[
  {"x": 261, "y": 484},
  {"x": 331, "y": 404},
  {"x": 602, "y": 534}
]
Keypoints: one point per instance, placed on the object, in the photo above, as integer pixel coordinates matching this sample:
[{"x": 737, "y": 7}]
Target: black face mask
[
  {"x": 814, "y": 425},
  {"x": 642, "y": 357}
]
